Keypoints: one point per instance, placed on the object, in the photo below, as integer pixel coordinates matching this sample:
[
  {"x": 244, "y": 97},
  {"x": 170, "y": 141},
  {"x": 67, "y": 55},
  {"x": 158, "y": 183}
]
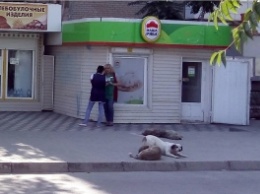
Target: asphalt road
[{"x": 221, "y": 182}]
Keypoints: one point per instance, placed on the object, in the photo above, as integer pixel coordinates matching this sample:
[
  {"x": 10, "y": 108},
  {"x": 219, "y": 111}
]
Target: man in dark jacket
[{"x": 98, "y": 82}]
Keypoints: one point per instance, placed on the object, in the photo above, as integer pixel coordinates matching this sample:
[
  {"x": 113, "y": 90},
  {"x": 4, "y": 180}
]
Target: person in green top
[{"x": 111, "y": 94}]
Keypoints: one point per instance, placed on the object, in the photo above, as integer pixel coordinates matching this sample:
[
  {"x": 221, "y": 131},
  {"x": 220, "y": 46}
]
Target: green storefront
[
  {"x": 128, "y": 33},
  {"x": 163, "y": 67}
]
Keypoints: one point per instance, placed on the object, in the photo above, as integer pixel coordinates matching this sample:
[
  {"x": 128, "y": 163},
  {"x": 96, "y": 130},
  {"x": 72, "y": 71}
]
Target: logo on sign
[{"x": 151, "y": 29}]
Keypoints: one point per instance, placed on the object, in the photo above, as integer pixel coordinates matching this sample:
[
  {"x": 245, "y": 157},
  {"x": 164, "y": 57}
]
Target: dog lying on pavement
[
  {"x": 147, "y": 153},
  {"x": 168, "y": 134},
  {"x": 167, "y": 148}
]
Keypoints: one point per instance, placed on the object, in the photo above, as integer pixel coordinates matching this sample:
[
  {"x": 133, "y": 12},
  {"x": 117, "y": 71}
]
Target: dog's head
[{"x": 176, "y": 148}]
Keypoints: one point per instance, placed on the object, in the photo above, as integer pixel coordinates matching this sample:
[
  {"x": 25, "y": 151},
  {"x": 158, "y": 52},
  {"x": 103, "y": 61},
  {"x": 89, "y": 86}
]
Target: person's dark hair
[{"x": 100, "y": 69}]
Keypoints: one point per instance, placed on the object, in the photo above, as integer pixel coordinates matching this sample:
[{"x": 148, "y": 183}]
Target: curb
[{"x": 71, "y": 167}]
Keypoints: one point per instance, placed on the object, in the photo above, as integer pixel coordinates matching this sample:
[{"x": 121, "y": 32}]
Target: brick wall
[{"x": 93, "y": 9}]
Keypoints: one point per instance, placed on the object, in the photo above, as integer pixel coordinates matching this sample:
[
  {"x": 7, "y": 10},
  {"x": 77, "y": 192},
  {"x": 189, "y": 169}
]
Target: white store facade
[{"x": 169, "y": 80}]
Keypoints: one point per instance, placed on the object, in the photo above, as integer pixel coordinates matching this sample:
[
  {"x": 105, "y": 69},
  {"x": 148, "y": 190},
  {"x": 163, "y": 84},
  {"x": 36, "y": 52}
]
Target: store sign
[
  {"x": 151, "y": 29},
  {"x": 20, "y": 16}
]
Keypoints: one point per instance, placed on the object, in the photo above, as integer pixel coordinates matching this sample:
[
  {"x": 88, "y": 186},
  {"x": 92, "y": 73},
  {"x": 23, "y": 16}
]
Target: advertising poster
[
  {"x": 19, "y": 16},
  {"x": 130, "y": 74}
]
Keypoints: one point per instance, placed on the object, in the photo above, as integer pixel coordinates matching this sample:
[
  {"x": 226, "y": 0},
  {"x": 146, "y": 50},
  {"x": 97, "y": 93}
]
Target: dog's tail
[{"x": 133, "y": 156}]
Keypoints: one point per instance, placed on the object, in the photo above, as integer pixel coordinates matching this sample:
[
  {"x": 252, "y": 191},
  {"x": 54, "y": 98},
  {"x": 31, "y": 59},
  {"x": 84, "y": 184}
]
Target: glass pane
[
  {"x": 130, "y": 74},
  {"x": 191, "y": 81},
  {"x": 1, "y": 72},
  {"x": 19, "y": 78}
]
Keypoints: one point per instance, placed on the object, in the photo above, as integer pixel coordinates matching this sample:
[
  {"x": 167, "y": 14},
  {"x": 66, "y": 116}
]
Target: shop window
[
  {"x": 131, "y": 74},
  {"x": 19, "y": 74}
]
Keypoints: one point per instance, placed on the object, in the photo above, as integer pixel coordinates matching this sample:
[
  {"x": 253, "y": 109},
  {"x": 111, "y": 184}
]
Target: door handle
[{"x": 185, "y": 79}]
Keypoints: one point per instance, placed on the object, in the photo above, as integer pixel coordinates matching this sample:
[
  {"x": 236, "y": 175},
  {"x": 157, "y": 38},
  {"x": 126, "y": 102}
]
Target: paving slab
[
  {"x": 57, "y": 147},
  {"x": 108, "y": 150}
]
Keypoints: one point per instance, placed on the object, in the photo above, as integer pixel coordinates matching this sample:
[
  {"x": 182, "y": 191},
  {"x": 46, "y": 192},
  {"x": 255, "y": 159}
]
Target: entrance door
[
  {"x": 231, "y": 89},
  {"x": 192, "y": 89}
]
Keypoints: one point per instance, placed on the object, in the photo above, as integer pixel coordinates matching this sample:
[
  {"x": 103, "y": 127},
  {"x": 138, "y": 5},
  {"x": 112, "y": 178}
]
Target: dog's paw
[{"x": 131, "y": 155}]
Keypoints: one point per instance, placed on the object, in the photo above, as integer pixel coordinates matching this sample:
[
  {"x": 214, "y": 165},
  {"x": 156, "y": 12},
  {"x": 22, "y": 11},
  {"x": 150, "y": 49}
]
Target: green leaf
[
  {"x": 223, "y": 58},
  {"x": 231, "y": 7},
  {"x": 211, "y": 17},
  {"x": 235, "y": 32},
  {"x": 225, "y": 10},
  {"x": 238, "y": 44},
  {"x": 253, "y": 20},
  {"x": 247, "y": 14},
  {"x": 219, "y": 57},
  {"x": 215, "y": 19},
  {"x": 247, "y": 30},
  {"x": 239, "y": 37},
  {"x": 235, "y": 3},
  {"x": 213, "y": 58},
  {"x": 243, "y": 36},
  {"x": 256, "y": 7},
  {"x": 222, "y": 19}
]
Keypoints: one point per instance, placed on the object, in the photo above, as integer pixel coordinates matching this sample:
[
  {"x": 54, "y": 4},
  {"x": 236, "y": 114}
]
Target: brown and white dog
[
  {"x": 167, "y": 148},
  {"x": 148, "y": 153}
]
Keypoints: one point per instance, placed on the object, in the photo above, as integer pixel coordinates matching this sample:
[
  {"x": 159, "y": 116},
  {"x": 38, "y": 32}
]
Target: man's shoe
[
  {"x": 109, "y": 124},
  {"x": 83, "y": 125}
]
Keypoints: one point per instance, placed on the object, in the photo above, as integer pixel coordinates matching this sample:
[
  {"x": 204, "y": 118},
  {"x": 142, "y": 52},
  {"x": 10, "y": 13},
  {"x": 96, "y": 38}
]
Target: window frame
[{"x": 33, "y": 75}]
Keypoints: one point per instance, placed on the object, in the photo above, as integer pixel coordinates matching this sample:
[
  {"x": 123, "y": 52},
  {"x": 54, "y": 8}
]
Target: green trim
[{"x": 194, "y": 34}]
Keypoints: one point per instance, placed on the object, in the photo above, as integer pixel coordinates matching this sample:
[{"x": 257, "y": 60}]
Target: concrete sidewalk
[{"x": 62, "y": 146}]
